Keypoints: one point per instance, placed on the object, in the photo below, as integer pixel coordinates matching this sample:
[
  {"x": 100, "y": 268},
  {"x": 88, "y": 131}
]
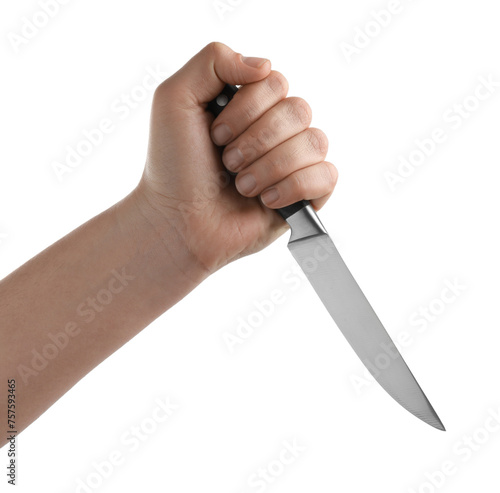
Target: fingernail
[
  {"x": 270, "y": 196},
  {"x": 253, "y": 61},
  {"x": 245, "y": 184},
  {"x": 221, "y": 134},
  {"x": 233, "y": 159}
]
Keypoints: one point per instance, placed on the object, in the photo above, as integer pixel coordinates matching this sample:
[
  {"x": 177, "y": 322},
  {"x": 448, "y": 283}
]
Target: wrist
[{"x": 158, "y": 248}]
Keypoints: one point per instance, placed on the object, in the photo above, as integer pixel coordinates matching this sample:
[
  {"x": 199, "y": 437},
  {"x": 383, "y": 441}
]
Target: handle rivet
[{"x": 222, "y": 100}]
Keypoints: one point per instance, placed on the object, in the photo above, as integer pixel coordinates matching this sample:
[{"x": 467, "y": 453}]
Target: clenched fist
[{"x": 278, "y": 158}]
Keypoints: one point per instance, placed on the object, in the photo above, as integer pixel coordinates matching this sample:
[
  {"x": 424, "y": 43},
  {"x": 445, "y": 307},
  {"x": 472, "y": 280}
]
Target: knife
[{"x": 317, "y": 256}]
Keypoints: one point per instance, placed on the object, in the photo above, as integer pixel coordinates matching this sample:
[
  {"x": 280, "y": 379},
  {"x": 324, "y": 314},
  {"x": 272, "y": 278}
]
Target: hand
[
  {"x": 108, "y": 279},
  {"x": 269, "y": 143}
]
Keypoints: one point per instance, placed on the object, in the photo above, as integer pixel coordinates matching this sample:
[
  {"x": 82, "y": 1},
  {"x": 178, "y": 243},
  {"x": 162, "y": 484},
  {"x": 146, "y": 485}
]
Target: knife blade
[{"x": 314, "y": 251}]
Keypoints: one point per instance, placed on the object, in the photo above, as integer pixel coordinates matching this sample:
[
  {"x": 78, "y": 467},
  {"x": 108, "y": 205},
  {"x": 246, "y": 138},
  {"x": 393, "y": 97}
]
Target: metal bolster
[{"x": 304, "y": 224}]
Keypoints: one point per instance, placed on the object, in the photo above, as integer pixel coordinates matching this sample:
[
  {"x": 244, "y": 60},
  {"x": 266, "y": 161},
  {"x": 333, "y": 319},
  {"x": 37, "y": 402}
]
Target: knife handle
[{"x": 215, "y": 107}]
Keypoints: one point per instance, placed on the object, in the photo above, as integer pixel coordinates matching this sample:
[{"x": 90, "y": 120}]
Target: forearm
[{"x": 74, "y": 304}]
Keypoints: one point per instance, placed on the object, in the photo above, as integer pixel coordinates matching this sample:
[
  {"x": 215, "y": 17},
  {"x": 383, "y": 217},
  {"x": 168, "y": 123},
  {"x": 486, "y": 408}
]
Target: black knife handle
[{"x": 215, "y": 107}]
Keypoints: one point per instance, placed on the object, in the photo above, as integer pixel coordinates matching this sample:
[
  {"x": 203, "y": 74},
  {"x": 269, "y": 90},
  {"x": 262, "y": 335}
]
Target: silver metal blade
[{"x": 348, "y": 306}]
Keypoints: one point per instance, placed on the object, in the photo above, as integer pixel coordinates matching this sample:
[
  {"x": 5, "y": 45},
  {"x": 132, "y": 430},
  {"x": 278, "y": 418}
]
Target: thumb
[{"x": 205, "y": 75}]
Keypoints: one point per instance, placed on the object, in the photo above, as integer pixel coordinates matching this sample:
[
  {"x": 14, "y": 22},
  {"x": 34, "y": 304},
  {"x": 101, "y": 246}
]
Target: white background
[{"x": 292, "y": 379}]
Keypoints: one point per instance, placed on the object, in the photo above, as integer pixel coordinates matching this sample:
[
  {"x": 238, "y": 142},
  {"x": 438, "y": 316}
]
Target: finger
[
  {"x": 284, "y": 120},
  {"x": 302, "y": 150},
  {"x": 248, "y": 105},
  {"x": 314, "y": 183},
  {"x": 203, "y": 77}
]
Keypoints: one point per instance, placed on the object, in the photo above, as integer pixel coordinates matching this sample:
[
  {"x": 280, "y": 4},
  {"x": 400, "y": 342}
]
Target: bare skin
[{"x": 78, "y": 301}]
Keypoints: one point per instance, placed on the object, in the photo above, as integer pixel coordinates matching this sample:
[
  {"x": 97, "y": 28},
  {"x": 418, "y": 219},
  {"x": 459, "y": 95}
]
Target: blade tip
[
  {"x": 436, "y": 423},
  {"x": 440, "y": 426}
]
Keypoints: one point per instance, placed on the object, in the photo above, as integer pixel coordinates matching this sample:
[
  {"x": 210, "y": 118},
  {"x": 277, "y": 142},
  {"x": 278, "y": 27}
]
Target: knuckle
[
  {"x": 282, "y": 163},
  {"x": 317, "y": 140},
  {"x": 161, "y": 90},
  {"x": 163, "y": 94},
  {"x": 249, "y": 112},
  {"x": 297, "y": 185},
  {"x": 247, "y": 148},
  {"x": 299, "y": 110},
  {"x": 214, "y": 48},
  {"x": 279, "y": 167},
  {"x": 278, "y": 121},
  {"x": 278, "y": 83},
  {"x": 158, "y": 93},
  {"x": 274, "y": 167},
  {"x": 263, "y": 139}
]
